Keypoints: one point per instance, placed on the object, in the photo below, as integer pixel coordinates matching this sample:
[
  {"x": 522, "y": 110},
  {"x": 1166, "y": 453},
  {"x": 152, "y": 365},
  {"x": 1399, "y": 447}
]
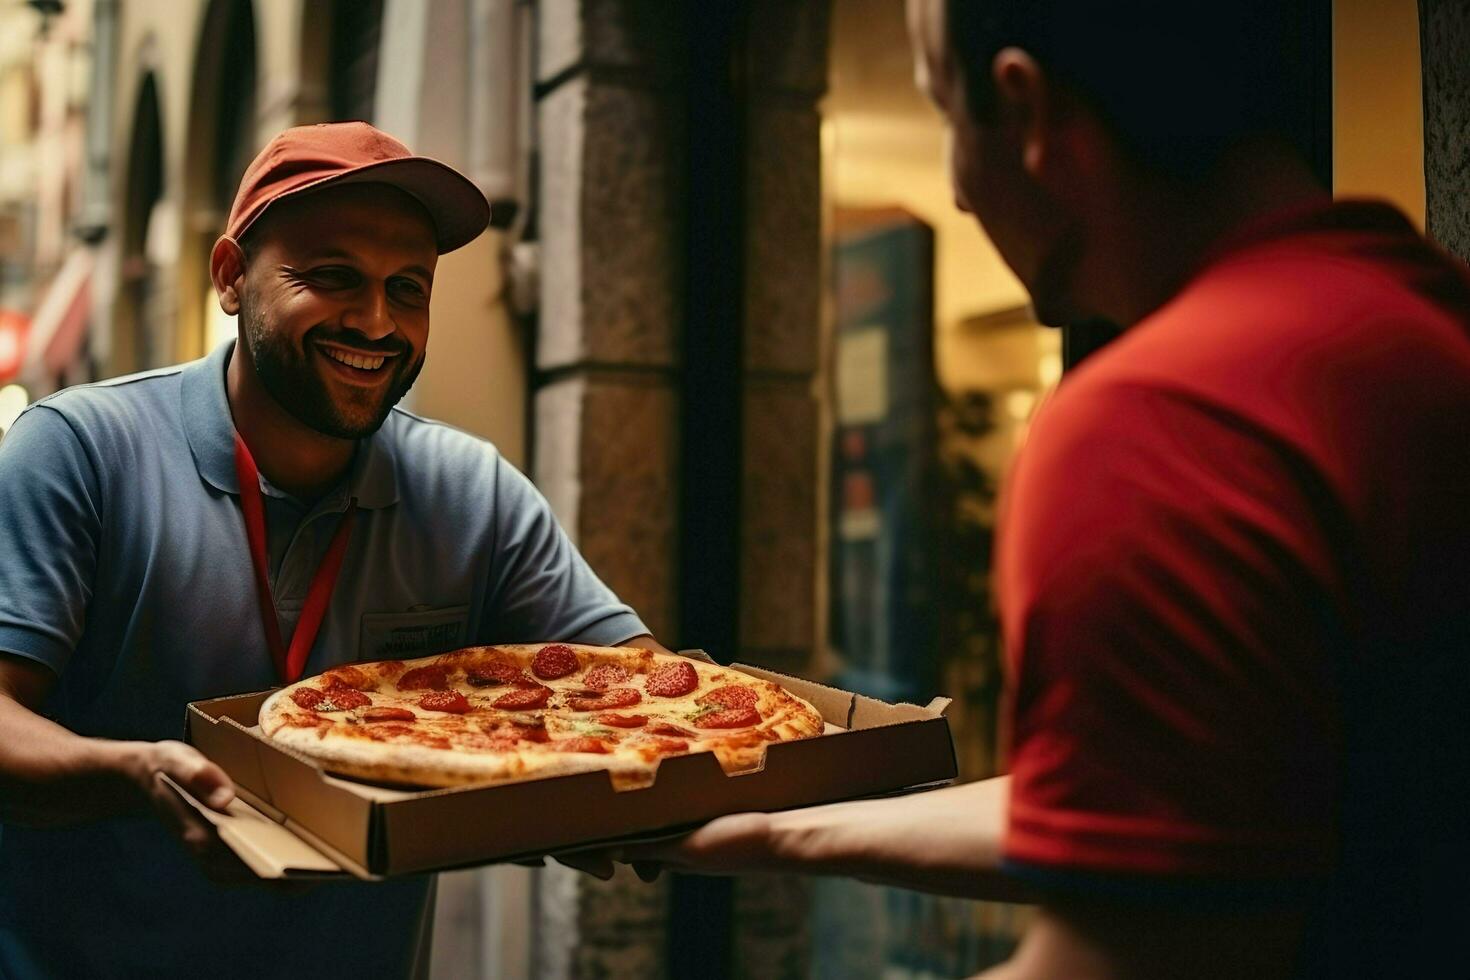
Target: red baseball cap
[{"x": 308, "y": 158}]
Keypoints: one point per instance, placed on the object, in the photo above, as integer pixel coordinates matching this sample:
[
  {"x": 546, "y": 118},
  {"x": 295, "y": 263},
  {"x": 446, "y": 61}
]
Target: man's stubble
[{"x": 288, "y": 376}]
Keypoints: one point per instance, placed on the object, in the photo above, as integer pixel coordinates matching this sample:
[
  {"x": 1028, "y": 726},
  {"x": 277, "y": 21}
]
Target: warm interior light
[{"x": 1019, "y": 404}]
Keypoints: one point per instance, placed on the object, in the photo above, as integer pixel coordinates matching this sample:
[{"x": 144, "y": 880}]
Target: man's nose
[{"x": 370, "y": 314}]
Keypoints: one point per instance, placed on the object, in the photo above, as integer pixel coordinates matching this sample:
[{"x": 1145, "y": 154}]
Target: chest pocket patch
[{"x": 405, "y": 635}]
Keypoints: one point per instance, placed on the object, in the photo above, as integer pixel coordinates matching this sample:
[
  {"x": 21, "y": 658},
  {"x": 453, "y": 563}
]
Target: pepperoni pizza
[{"x": 494, "y": 714}]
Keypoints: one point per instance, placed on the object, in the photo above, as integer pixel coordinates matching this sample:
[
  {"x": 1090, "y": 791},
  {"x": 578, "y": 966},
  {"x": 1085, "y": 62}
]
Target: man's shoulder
[
  {"x": 418, "y": 440},
  {"x": 1324, "y": 295},
  {"x": 1286, "y": 326},
  {"x": 437, "y": 459},
  {"x": 131, "y": 402}
]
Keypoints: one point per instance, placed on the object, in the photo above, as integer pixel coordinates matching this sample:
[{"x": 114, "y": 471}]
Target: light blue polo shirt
[{"x": 124, "y": 568}]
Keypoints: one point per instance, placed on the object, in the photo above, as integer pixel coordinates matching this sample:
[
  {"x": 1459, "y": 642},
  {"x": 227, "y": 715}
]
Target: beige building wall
[{"x": 475, "y": 374}]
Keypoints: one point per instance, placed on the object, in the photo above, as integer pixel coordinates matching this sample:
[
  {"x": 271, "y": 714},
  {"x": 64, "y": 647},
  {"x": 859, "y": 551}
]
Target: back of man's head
[{"x": 1178, "y": 83}]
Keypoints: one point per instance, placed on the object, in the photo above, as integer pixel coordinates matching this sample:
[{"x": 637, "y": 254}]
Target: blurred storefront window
[{"x": 917, "y": 457}]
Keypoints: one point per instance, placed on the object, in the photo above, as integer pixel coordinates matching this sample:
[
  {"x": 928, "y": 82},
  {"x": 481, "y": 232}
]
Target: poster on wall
[{"x": 883, "y": 465}]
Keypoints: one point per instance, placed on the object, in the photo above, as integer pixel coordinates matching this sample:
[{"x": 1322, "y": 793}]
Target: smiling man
[{"x": 234, "y": 524}]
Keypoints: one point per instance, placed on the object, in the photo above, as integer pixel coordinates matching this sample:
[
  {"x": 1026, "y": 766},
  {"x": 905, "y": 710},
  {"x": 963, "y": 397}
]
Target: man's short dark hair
[
  {"x": 1177, "y": 82},
  {"x": 249, "y": 243}
]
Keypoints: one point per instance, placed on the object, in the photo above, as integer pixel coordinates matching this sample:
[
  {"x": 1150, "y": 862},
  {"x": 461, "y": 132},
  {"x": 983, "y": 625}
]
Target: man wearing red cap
[{"x": 233, "y": 524}]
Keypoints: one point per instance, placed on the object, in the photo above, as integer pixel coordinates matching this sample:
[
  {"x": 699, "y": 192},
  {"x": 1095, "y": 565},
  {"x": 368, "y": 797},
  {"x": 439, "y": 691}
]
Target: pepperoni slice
[
  {"x": 604, "y": 676},
  {"x": 495, "y": 673},
  {"x": 664, "y": 728},
  {"x": 449, "y": 701},
  {"x": 730, "y": 718},
  {"x": 622, "y": 721},
  {"x": 307, "y": 697},
  {"x": 672, "y": 680},
  {"x": 618, "y": 697},
  {"x": 342, "y": 698},
  {"x": 390, "y": 668},
  {"x": 524, "y": 698},
  {"x": 430, "y": 678},
  {"x": 554, "y": 661},
  {"x": 583, "y": 744},
  {"x": 388, "y": 714},
  {"x": 731, "y": 696}
]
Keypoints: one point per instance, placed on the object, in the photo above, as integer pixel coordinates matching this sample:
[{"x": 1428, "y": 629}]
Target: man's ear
[
  {"x": 1064, "y": 148},
  {"x": 227, "y": 272},
  {"x": 1024, "y": 101}
]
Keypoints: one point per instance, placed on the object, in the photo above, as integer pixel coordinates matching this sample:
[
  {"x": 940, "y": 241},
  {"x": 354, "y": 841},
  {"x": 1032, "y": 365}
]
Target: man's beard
[{"x": 290, "y": 378}]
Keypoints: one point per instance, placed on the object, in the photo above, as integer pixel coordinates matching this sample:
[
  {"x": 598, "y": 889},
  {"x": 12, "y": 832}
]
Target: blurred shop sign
[
  {"x": 883, "y": 458},
  {"x": 13, "y": 329},
  {"x": 59, "y": 328}
]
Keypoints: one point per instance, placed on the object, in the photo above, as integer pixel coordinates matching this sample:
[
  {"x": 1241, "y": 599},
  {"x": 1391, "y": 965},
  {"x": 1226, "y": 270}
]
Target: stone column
[
  {"x": 783, "y": 440},
  {"x": 605, "y": 388},
  {"x": 606, "y": 434},
  {"x": 1444, "y": 34},
  {"x": 783, "y": 321}
]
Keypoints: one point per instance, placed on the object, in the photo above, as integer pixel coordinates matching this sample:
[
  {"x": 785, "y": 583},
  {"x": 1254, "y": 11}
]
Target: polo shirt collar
[
  {"x": 211, "y": 434},
  {"x": 374, "y": 478}
]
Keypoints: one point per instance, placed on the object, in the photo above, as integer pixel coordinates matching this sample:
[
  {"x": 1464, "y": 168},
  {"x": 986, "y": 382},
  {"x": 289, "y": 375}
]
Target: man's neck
[
  {"x": 1164, "y": 232},
  {"x": 292, "y": 456}
]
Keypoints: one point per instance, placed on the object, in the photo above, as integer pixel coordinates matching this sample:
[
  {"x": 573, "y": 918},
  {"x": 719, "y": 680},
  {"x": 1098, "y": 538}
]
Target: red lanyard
[{"x": 289, "y": 664}]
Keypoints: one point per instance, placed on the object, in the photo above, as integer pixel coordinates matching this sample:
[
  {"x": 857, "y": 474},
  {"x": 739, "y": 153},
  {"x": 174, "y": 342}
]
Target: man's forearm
[
  {"x": 945, "y": 841},
  {"x": 49, "y": 775}
]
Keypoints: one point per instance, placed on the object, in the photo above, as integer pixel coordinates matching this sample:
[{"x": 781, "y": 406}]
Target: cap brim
[{"x": 455, "y": 205}]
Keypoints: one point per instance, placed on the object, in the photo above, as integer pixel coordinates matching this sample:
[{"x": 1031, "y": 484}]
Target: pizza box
[{"x": 293, "y": 820}]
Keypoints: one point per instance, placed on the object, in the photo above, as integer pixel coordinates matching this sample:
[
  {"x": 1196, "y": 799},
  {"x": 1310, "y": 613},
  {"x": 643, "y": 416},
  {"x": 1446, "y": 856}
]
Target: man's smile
[{"x": 358, "y": 367}]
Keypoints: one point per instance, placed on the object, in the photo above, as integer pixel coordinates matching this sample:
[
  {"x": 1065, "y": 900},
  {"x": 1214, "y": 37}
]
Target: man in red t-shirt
[{"x": 1234, "y": 554}]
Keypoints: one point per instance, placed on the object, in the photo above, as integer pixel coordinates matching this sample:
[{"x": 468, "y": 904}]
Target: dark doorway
[
  {"x": 357, "y": 27},
  {"x": 133, "y": 348}
]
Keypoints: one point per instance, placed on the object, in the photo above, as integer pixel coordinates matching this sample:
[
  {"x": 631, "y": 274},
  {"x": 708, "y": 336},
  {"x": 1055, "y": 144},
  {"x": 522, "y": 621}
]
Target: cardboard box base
[{"x": 293, "y": 820}]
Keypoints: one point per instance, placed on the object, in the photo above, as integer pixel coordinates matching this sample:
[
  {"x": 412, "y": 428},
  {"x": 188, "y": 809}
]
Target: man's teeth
[{"x": 355, "y": 360}]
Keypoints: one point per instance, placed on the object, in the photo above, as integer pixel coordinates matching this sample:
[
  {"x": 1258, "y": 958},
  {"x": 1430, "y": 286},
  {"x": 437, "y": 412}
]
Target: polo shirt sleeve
[
  {"x": 541, "y": 587},
  {"x": 1168, "y": 603},
  {"x": 50, "y": 527}
]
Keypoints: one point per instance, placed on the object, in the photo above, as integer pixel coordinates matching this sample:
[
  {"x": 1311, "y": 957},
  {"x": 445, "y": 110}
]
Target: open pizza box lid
[{"x": 293, "y": 820}]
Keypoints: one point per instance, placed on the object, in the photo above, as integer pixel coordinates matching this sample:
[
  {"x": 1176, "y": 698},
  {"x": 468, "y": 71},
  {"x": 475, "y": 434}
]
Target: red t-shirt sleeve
[{"x": 1167, "y": 596}]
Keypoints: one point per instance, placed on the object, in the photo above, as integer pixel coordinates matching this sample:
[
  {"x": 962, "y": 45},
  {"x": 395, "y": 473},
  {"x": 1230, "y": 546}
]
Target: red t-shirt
[{"x": 1234, "y": 576}]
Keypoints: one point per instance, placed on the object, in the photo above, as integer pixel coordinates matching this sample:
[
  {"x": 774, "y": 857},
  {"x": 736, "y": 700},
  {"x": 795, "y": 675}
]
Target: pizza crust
[{"x": 487, "y": 744}]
